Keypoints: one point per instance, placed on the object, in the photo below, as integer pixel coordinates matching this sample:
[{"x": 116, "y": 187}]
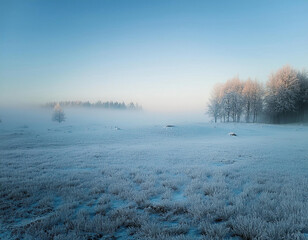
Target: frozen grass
[{"x": 188, "y": 182}]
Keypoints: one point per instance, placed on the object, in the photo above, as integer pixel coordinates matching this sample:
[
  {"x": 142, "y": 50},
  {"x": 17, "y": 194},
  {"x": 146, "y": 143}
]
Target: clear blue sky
[{"x": 162, "y": 54}]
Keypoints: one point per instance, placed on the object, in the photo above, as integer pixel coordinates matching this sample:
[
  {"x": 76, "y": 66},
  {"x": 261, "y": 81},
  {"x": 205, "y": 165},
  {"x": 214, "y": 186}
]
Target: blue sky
[{"x": 165, "y": 55}]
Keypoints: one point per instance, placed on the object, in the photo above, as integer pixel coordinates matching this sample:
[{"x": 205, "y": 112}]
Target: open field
[{"x": 191, "y": 181}]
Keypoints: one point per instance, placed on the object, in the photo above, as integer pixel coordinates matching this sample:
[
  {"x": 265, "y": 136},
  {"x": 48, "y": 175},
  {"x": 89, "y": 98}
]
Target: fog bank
[{"x": 42, "y": 117}]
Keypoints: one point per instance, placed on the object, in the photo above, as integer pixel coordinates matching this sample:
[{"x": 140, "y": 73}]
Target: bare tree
[{"x": 58, "y": 114}]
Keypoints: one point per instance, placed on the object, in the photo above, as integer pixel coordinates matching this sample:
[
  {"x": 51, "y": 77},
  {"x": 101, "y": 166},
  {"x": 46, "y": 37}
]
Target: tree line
[
  {"x": 283, "y": 99},
  {"x": 98, "y": 104}
]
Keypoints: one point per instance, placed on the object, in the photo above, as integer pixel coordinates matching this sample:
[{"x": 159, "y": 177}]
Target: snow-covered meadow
[{"x": 119, "y": 176}]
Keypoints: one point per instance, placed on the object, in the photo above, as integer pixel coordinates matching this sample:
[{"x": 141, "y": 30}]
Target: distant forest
[
  {"x": 98, "y": 104},
  {"x": 284, "y": 99}
]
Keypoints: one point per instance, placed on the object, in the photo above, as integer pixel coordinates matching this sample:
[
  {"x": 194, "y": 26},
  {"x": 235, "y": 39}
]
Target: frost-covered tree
[
  {"x": 257, "y": 103},
  {"x": 226, "y": 101},
  {"x": 252, "y": 99},
  {"x": 282, "y": 93},
  {"x": 247, "y": 96},
  {"x": 131, "y": 105},
  {"x": 233, "y": 100},
  {"x": 225, "y": 106},
  {"x": 98, "y": 104},
  {"x": 214, "y": 105},
  {"x": 303, "y": 100},
  {"x": 58, "y": 114},
  {"x": 285, "y": 98}
]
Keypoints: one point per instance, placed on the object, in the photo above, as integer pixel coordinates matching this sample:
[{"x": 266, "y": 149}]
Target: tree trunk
[{"x": 248, "y": 112}]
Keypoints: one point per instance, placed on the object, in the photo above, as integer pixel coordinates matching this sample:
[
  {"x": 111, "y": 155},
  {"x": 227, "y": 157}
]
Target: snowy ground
[{"x": 192, "y": 181}]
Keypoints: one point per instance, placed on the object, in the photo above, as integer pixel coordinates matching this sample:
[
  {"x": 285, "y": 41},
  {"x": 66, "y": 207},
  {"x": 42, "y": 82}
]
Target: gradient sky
[{"x": 165, "y": 55}]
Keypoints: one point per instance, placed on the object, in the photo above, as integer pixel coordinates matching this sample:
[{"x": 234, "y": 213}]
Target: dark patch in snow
[
  {"x": 219, "y": 220},
  {"x": 158, "y": 209},
  {"x": 232, "y": 134}
]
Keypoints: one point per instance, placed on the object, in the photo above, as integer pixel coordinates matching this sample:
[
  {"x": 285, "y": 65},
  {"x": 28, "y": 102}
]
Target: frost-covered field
[{"x": 193, "y": 181}]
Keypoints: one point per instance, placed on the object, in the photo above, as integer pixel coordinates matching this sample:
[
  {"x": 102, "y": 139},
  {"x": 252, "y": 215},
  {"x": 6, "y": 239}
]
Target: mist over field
[{"x": 41, "y": 117}]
